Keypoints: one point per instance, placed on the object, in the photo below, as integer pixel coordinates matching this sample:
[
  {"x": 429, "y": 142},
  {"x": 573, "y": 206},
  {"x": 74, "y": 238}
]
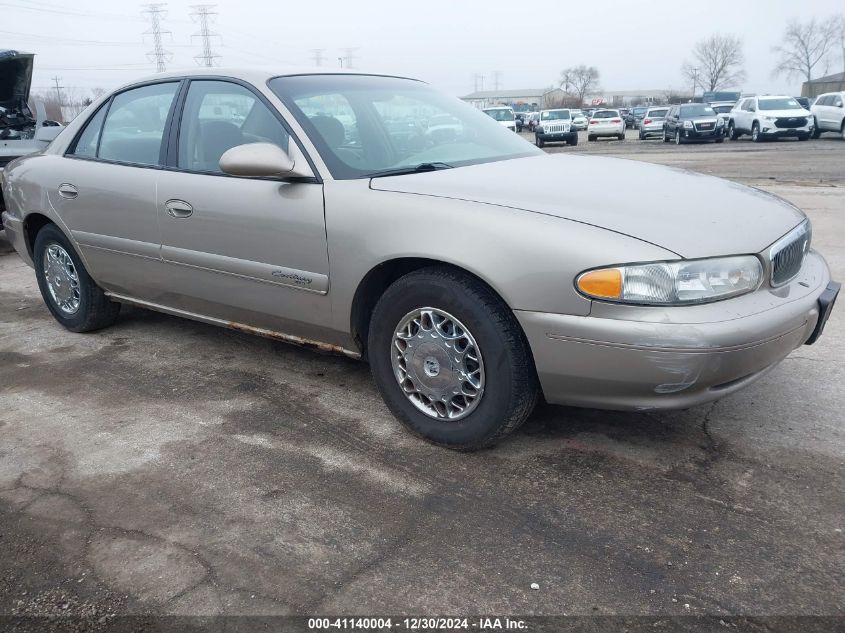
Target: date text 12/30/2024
[{"x": 417, "y": 624}]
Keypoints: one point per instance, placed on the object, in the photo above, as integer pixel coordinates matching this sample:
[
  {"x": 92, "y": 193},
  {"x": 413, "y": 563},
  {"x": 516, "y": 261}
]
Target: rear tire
[
  {"x": 509, "y": 385},
  {"x": 621, "y": 137},
  {"x": 590, "y": 138},
  {"x": 58, "y": 268},
  {"x": 842, "y": 130}
]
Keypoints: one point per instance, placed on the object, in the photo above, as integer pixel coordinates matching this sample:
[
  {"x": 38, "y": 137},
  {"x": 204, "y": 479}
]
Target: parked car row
[{"x": 760, "y": 117}]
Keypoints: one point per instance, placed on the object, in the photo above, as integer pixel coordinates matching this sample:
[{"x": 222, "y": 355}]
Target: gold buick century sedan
[{"x": 473, "y": 271}]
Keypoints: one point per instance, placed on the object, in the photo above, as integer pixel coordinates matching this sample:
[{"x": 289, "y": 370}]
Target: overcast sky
[{"x": 635, "y": 44}]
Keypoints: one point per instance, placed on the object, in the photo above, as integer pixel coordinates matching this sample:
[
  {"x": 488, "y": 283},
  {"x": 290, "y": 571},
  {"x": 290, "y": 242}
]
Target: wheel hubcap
[
  {"x": 62, "y": 279},
  {"x": 437, "y": 364}
]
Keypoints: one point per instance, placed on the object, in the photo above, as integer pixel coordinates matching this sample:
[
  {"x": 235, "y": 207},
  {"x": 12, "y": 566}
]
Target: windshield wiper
[{"x": 415, "y": 169}]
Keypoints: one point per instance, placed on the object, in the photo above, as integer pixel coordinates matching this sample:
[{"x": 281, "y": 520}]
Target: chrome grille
[{"x": 787, "y": 254}]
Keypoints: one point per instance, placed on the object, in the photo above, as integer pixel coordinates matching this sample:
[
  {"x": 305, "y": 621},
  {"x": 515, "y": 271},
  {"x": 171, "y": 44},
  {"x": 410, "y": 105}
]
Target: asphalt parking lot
[{"x": 166, "y": 466}]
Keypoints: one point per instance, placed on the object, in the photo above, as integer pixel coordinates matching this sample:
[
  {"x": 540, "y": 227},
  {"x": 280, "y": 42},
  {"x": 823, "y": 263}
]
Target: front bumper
[
  {"x": 631, "y": 357},
  {"x": 702, "y": 135},
  {"x": 552, "y": 137},
  {"x": 769, "y": 130}
]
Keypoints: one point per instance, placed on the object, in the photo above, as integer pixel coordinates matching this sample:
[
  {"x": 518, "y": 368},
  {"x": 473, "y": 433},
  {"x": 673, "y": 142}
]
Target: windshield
[
  {"x": 500, "y": 114},
  {"x": 698, "y": 109},
  {"x": 657, "y": 114},
  {"x": 786, "y": 103},
  {"x": 351, "y": 120},
  {"x": 554, "y": 115},
  {"x": 605, "y": 114}
]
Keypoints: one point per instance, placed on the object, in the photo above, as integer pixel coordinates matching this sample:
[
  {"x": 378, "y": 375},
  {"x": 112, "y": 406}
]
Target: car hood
[
  {"x": 15, "y": 77},
  {"x": 690, "y": 214},
  {"x": 787, "y": 114}
]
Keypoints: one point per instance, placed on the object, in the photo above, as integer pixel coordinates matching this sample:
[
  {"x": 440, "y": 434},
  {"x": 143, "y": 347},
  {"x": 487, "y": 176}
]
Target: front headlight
[
  {"x": 688, "y": 125},
  {"x": 673, "y": 283},
  {"x": 768, "y": 118}
]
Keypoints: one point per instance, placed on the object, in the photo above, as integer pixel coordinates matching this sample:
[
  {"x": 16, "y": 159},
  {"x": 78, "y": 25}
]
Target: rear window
[
  {"x": 658, "y": 114},
  {"x": 605, "y": 114}
]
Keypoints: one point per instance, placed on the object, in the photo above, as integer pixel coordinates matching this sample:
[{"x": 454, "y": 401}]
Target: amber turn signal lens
[{"x": 606, "y": 283}]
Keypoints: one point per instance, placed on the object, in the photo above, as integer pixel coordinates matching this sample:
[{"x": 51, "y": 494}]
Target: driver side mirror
[
  {"x": 262, "y": 160},
  {"x": 752, "y": 108}
]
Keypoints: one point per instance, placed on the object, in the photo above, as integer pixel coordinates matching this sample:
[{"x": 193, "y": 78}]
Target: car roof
[
  {"x": 255, "y": 74},
  {"x": 556, "y": 110}
]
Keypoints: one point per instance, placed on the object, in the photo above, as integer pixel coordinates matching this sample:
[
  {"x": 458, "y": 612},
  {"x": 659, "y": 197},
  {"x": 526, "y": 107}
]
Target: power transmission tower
[
  {"x": 156, "y": 13},
  {"x": 204, "y": 14},
  {"x": 479, "y": 80},
  {"x": 497, "y": 75},
  {"x": 348, "y": 57},
  {"x": 56, "y": 80},
  {"x": 317, "y": 56}
]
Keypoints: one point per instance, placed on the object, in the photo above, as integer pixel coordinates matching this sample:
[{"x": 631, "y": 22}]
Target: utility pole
[
  {"x": 497, "y": 75},
  {"x": 156, "y": 13},
  {"x": 56, "y": 80},
  {"x": 348, "y": 56},
  {"x": 204, "y": 14},
  {"x": 317, "y": 56},
  {"x": 694, "y": 81},
  {"x": 340, "y": 60}
]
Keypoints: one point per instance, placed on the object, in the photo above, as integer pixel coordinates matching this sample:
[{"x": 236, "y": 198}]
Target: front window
[
  {"x": 555, "y": 115},
  {"x": 698, "y": 109},
  {"x": 722, "y": 109},
  {"x": 786, "y": 103},
  {"x": 219, "y": 115},
  {"x": 367, "y": 125}
]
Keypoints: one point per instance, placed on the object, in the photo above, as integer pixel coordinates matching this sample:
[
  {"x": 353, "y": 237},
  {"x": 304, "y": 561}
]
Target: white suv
[
  {"x": 770, "y": 117},
  {"x": 829, "y": 113}
]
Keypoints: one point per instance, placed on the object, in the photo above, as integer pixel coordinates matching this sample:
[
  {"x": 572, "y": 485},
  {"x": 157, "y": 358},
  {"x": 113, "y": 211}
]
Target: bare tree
[
  {"x": 577, "y": 81},
  {"x": 804, "y": 46},
  {"x": 840, "y": 35},
  {"x": 716, "y": 63}
]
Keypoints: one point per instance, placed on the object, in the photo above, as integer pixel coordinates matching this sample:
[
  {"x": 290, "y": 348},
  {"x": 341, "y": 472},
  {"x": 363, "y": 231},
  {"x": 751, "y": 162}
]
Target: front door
[{"x": 244, "y": 250}]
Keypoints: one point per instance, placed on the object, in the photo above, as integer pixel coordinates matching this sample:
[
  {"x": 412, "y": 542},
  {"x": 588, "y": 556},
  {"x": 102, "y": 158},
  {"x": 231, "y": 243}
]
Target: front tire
[
  {"x": 732, "y": 134},
  {"x": 424, "y": 323},
  {"x": 573, "y": 140},
  {"x": 678, "y": 139},
  {"x": 538, "y": 141},
  {"x": 755, "y": 133},
  {"x": 816, "y": 131},
  {"x": 68, "y": 290}
]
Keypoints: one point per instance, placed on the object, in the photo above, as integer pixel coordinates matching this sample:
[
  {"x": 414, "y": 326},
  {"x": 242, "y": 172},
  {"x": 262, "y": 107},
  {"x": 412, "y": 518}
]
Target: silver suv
[{"x": 829, "y": 114}]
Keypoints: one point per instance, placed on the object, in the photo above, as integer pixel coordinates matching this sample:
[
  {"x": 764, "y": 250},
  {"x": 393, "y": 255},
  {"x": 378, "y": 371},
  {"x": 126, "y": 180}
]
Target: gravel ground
[{"x": 169, "y": 467}]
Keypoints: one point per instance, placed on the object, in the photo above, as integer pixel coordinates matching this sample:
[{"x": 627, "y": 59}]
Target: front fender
[{"x": 530, "y": 259}]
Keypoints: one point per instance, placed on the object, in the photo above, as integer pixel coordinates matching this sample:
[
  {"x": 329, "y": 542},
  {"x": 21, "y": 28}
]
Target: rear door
[
  {"x": 246, "y": 250},
  {"x": 104, "y": 189}
]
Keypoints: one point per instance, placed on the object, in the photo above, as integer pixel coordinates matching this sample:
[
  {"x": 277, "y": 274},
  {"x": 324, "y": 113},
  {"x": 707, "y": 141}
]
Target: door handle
[
  {"x": 179, "y": 208},
  {"x": 66, "y": 190}
]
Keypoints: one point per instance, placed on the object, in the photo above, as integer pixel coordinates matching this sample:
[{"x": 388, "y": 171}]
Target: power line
[
  {"x": 204, "y": 14},
  {"x": 156, "y": 13}
]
